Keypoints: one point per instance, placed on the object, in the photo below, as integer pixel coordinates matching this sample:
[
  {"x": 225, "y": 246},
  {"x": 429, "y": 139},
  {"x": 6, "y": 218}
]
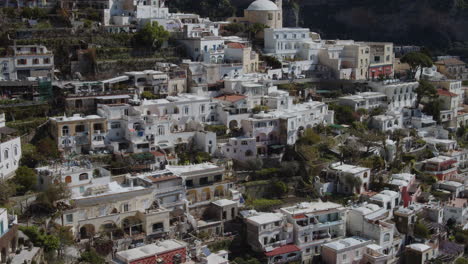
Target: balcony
[{"x": 319, "y": 225}]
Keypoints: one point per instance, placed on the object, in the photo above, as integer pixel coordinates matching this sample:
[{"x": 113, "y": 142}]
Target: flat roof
[
  {"x": 151, "y": 250},
  {"x": 346, "y": 243},
  {"x": 265, "y": 218}
]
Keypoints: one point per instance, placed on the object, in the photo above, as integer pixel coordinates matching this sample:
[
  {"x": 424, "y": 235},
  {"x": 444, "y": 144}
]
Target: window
[
  {"x": 126, "y": 207},
  {"x": 270, "y": 16},
  {"x": 344, "y": 256},
  {"x": 357, "y": 253},
  {"x": 186, "y": 110},
  {"x": 83, "y": 176},
  {"x": 387, "y": 237},
  {"x": 244, "y": 143},
  {"x": 158, "y": 227},
  {"x": 202, "y": 109},
  {"x": 22, "y": 62},
  {"x": 69, "y": 218},
  {"x": 98, "y": 126},
  {"x": 68, "y": 179},
  {"x": 82, "y": 189},
  {"x": 35, "y": 61},
  {"x": 16, "y": 150},
  {"x": 65, "y": 131},
  {"x": 6, "y": 154},
  {"x": 115, "y": 125},
  {"x": 161, "y": 130},
  {"x": 79, "y": 128}
]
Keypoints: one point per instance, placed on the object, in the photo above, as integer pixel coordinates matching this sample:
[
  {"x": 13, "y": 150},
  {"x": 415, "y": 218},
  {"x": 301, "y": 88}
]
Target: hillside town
[{"x": 132, "y": 132}]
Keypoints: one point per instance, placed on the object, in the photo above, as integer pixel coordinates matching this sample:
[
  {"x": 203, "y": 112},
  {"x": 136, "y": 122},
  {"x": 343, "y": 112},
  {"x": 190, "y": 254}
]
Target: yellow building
[{"x": 265, "y": 12}]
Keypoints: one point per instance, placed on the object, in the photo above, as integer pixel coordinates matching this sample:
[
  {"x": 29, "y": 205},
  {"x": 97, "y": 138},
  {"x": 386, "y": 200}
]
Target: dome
[{"x": 263, "y": 5}]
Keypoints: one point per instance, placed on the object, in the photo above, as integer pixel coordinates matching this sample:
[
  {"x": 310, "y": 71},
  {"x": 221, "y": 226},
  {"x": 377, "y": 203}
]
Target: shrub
[{"x": 264, "y": 204}]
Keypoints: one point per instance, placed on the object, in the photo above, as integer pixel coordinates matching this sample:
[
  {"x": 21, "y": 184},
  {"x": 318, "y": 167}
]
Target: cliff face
[
  {"x": 434, "y": 23},
  {"x": 439, "y": 24}
]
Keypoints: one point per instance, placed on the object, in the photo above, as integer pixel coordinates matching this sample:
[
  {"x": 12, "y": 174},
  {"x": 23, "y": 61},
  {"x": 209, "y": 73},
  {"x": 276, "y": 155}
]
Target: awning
[{"x": 117, "y": 79}]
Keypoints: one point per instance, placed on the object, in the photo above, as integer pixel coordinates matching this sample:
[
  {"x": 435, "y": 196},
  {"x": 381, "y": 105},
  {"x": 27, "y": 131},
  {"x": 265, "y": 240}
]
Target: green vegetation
[
  {"x": 343, "y": 114},
  {"x": 40, "y": 239},
  {"x": 151, "y": 36},
  {"x": 264, "y": 205},
  {"x": 416, "y": 60},
  {"x": 220, "y": 245},
  {"x": 220, "y": 130},
  {"x": 259, "y": 108},
  {"x": 271, "y": 61},
  {"x": 92, "y": 257},
  {"x": 421, "y": 231},
  {"x": 25, "y": 179}
]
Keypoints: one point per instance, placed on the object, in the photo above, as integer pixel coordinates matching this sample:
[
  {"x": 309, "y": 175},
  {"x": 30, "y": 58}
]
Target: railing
[{"x": 169, "y": 189}]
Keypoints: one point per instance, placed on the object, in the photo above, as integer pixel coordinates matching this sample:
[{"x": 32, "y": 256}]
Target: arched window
[
  {"x": 83, "y": 176},
  {"x": 68, "y": 179},
  {"x": 386, "y": 237},
  {"x": 16, "y": 150},
  {"x": 365, "y": 175},
  {"x": 65, "y": 131},
  {"x": 6, "y": 153}
]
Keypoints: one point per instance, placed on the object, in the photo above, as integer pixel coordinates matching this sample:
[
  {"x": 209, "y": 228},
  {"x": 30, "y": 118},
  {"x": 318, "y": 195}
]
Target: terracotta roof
[
  {"x": 162, "y": 178},
  {"x": 231, "y": 98},
  {"x": 446, "y": 93},
  {"x": 450, "y": 61},
  {"x": 299, "y": 216},
  {"x": 282, "y": 250},
  {"x": 236, "y": 45},
  {"x": 157, "y": 153}
]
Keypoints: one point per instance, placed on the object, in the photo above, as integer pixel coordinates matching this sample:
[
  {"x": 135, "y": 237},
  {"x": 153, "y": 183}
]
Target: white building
[
  {"x": 352, "y": 250},
  {"x": 369, "y": 221},
  {"x": 399, "y": 94},
  {"x": 268, "y": 230},
  {"x": 366, "y": 100},
  {"x": 314, "y": 224},
  {"x": 25, "y": 61},
  {"x": 78, "y": 176},
  {"x": 343, "y": 177},
  {"x": 10, "y": 150},
  {"x": 456, "y": 210}
]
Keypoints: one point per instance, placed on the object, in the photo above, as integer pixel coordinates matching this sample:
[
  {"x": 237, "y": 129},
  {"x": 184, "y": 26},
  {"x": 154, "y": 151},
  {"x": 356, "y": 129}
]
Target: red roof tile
[
  {"x": 235, "y": 45},
  {"x": 231, "y": 98},
  {"x": 446, "y": 93},
  {"x": 282, "y": 250},
  {"x": 157, "y": 153},
  {"x": 299, "y": 216}
]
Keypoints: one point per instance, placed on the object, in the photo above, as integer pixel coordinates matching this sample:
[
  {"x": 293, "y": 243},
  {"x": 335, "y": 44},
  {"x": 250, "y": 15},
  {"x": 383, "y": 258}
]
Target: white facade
[
  {"x": 314, "y": 224},
  {"x": 399, "y": 94},
  {"x": 27, "y": 61},
  {"x": 268, "y": 230},
  {"x": 78, "y": 177},
  {"x": 10, "y": 152},
  {"x": 366, "y": 100}
]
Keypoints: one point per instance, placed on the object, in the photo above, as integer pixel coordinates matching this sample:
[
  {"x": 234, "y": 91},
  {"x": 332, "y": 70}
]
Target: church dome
[{"x": 263, "y": 5}]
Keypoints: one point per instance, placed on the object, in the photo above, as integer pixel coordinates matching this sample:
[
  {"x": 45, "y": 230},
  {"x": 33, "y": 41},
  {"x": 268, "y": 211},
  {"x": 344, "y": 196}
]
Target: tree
[
  {"x": 91, "y": 256},
  {"x": 309, "y": 137},
  {"x": 48, "y": 148},
  {"x": 8, "y": 189},
  {"x": 64, "y": 235},
  {"x": 420, "y": 230},
  {"x": 425, "y": 89},
  {"x": 54, "y": 193},
  {"x": 416, "y": 60},
  {"x": 280, "y": 188},
  {"x": 432, "y": 108},
  {"x": 30, "y": 157},
  {"x": 25, "y": 179},
  {"x": 151, "y": 35},
  {"x": 255, "y": 28}
]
